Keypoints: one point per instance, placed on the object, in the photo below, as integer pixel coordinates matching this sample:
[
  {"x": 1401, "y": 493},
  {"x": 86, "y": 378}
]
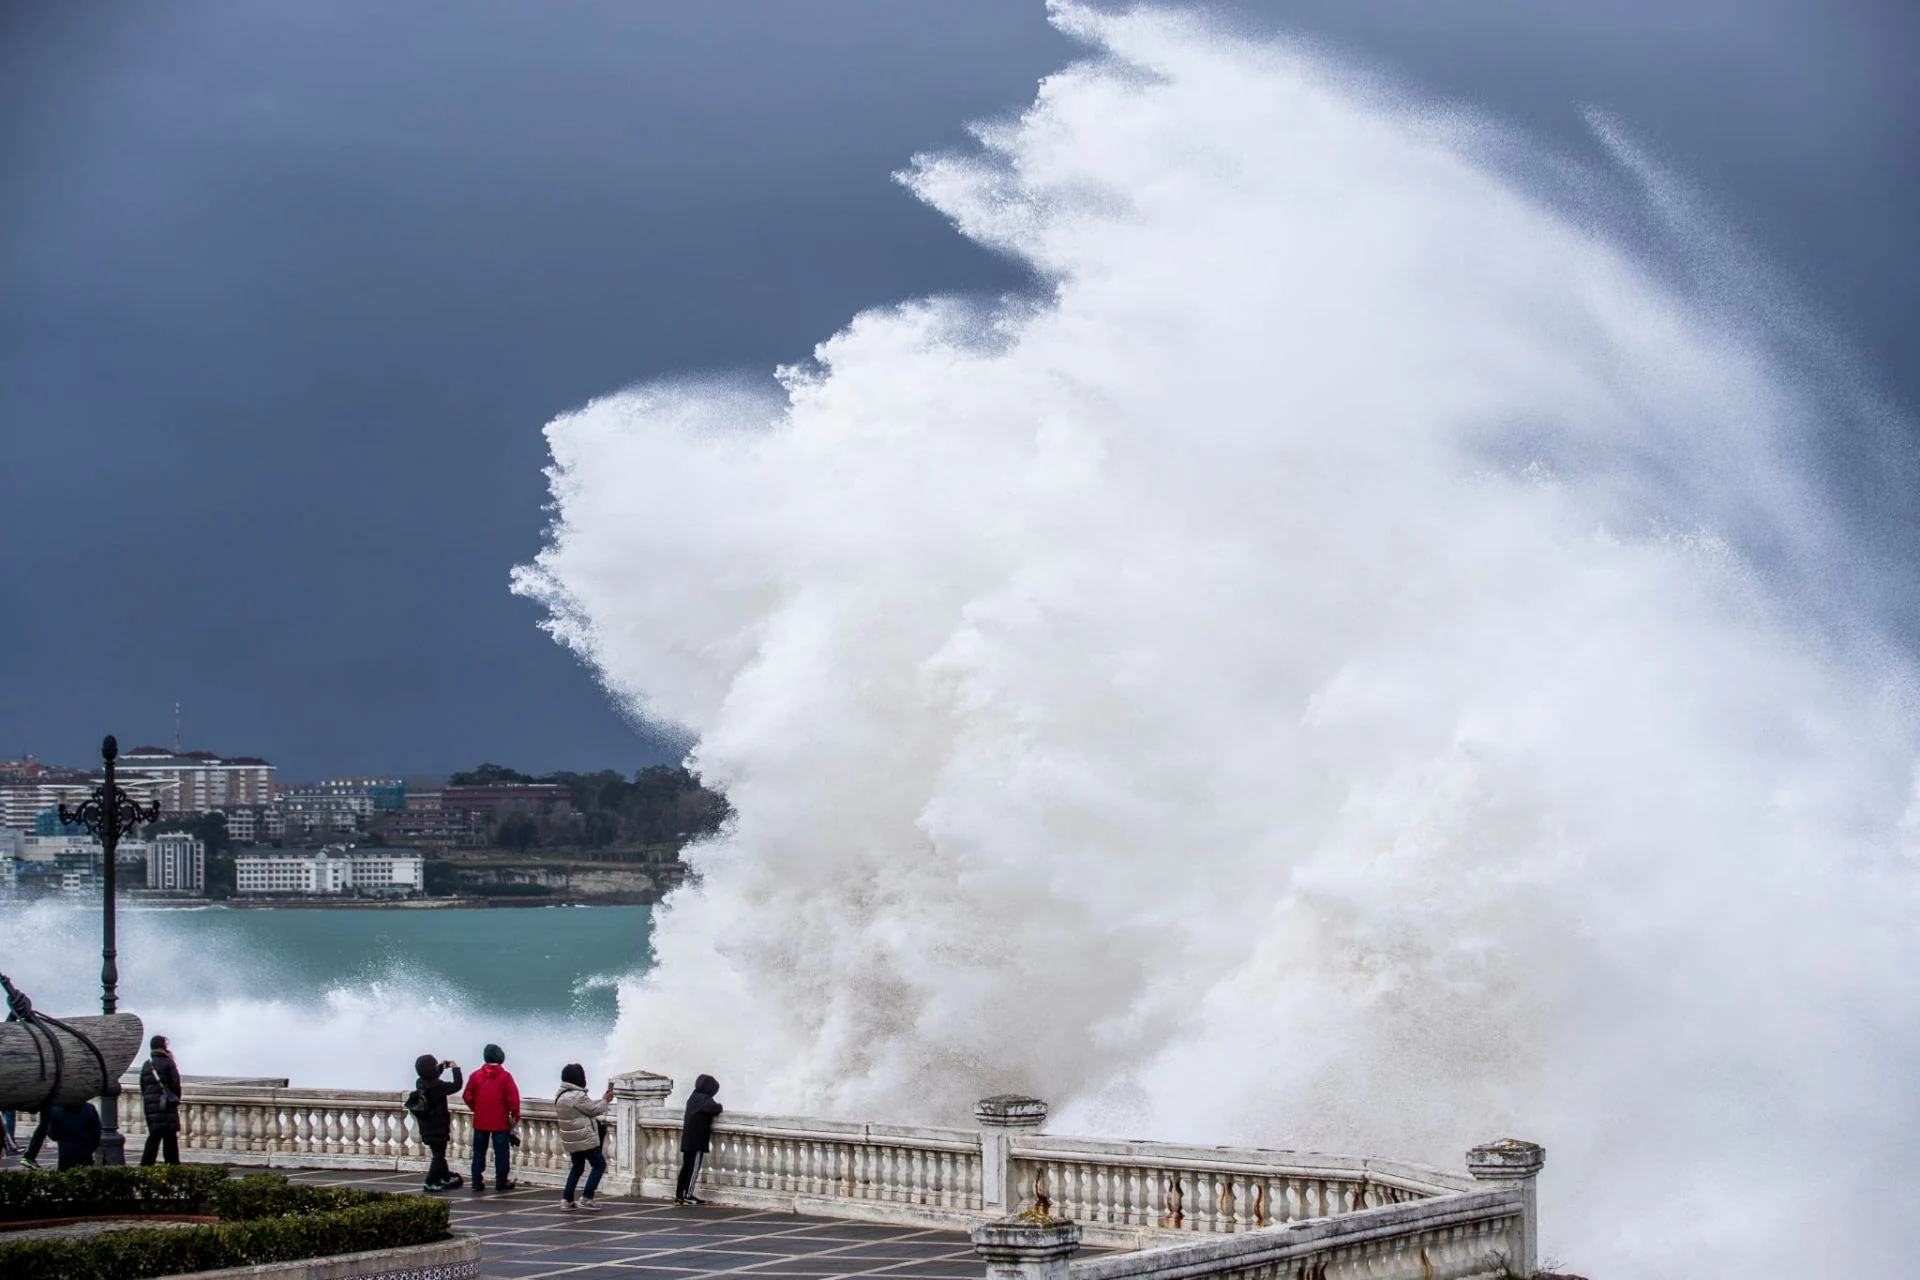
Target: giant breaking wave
[{"x": 1358, "y": 661}]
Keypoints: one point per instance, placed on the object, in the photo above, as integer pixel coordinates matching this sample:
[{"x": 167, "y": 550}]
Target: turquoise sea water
[{"x": 345, "y": 997}]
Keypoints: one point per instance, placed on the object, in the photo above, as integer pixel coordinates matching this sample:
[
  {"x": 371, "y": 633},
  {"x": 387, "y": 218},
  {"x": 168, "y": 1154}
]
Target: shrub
[
  {"x": 264, "y": 1219},
  {"x": 116, "y": 1189}
]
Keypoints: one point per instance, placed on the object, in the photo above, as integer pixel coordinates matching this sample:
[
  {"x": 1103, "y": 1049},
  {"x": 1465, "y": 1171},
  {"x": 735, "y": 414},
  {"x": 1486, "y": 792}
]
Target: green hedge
[
  {"x": 100, "y": 1189},
  {"x": 264, "y": 1219}
]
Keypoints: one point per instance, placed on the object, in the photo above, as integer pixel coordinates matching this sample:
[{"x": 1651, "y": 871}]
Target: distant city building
[
  {"x": 363, "y": 797},
  {"x": 384, "y": 795},
  {"x": 47, "y": 823},
  {"x": 422, "y": 800},
  {"x": 177, "y": 863},
  {"x": 196, "y": 782},
  {"x": 496, "y": 800},
  {"x": 10, "y": 859},
  {"x": 22, "y": 801},
  {"x": 333, "y": 870},
  {"x": 322, "y": 808},
  {"x": 51, "y": 848},
  {"x": 254, "y": 823},
  {"x": 432, "y": 826},
  {"x": 76, "y": 858}
]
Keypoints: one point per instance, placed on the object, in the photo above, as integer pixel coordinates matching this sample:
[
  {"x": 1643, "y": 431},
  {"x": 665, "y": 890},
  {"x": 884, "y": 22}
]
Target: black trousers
[
  {"x": 689, "y": 1172},
  {"x": 38, "y": 1139},
  {"x": 166, "y": 1145},
  {"x": 437, "y": 1171}
]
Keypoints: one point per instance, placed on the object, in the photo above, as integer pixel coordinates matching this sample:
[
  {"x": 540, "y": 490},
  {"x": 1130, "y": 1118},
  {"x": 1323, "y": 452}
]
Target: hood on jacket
[
  {"x": 427, "y": 1067},
  {"x": 707, "y": 1085}
]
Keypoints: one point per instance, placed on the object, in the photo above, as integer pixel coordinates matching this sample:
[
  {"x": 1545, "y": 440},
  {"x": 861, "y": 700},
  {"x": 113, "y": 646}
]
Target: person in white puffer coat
[{"x": 579, "y": 1121}]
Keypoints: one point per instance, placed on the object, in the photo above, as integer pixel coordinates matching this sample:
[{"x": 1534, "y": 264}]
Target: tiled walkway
[{"x": 526, "y": 1234}]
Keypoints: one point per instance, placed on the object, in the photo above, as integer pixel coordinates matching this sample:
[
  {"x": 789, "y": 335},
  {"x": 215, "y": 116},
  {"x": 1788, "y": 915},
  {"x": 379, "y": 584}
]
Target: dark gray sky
[{"x": 287, "y": 291}]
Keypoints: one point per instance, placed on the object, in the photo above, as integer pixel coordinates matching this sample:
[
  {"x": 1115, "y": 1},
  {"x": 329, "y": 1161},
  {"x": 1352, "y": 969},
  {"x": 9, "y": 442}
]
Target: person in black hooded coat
[
  {"x": 433, "y": 1120},
  {"x": 160, "y": 1099},
  {"x": 696, "y": 1136}
]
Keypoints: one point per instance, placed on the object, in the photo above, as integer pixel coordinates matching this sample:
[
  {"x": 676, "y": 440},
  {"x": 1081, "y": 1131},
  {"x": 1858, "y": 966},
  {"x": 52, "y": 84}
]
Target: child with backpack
[{"x": 427, "y": 1104}]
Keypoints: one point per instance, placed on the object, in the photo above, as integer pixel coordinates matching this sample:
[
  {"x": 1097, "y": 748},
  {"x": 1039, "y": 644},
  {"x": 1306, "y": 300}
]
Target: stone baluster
[
  {"x": 1027, "y": 1246},
  {"x": 1000, "y": 1117},
  {"x": 1516, "y": 1164},
  {"x": 637, "y": 1097}
]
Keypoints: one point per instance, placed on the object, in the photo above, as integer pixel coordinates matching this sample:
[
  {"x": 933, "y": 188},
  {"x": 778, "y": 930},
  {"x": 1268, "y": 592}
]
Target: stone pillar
[
  {"x": 1516, "y": 1164},
  {"x": 636, "y": 1094},
  {"x": 1026, "y": 1246},
  {"x": 999, "y": 1117}
]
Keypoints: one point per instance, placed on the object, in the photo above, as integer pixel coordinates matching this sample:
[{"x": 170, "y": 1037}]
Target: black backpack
[{"x": 417, "y": 1106}]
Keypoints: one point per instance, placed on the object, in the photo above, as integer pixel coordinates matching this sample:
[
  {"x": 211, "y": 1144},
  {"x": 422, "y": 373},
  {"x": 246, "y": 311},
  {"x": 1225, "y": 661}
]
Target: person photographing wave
[{"x": 427, "y": 1104}]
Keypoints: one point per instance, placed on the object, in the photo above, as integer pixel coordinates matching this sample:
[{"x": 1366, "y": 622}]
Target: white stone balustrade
[
  {"x": 266, "y": 1123},
  {"x": 1197, "y": 1211},
  {"x": 1463, "y": 1236},
  {"x": 1154, "y": 1186}
]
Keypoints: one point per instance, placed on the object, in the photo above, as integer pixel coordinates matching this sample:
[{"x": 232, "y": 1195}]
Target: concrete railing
[
  {"x": 1187, "y": 1210},
  {"x": 263, "y": 1122},
  {"x": 1463, "y": 1236}
]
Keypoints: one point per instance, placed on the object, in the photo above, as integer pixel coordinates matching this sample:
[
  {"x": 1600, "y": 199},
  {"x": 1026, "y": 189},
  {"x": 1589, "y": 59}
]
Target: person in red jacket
[{"x": 494, "y": 1100}]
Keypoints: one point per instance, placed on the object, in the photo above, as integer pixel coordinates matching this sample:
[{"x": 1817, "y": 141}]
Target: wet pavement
[{"x": 525, "y": 1234}]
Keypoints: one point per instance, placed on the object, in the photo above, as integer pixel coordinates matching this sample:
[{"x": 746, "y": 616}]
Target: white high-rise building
[
  {"x": 194, "y": 782},
  {"x": 177, "y": 863}
]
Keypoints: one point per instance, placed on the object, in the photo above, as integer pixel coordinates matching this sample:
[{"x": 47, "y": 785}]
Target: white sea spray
[{"x": 1357, "y": 663}]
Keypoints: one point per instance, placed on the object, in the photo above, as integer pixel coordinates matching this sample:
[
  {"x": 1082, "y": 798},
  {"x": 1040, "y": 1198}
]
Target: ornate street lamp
[{"x": 109, "y": 814}]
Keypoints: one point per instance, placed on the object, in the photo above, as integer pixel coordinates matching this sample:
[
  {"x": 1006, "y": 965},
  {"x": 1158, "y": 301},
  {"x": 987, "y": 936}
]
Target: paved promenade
[{"x": 526, "y": 1234}]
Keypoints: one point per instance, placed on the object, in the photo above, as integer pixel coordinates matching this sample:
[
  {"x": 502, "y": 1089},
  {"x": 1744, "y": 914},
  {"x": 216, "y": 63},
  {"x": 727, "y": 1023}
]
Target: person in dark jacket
[
  {"x": 75, "y": 1132},
  {"x": 160, "y": 1097},
  {"x": 432, "y": 1118},
  {"x": 696, "y": 1137}
]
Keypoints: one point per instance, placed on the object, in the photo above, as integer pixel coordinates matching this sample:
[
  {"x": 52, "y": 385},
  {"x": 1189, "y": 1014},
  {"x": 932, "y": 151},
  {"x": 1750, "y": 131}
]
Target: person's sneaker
[
  {"x": 508, "y": 1185},
  {"x": 588, "y": 1206},
  {"x": 479, "y": 1188},
  {"x": 26, "y": 1163},
  {"x": 695, "y": 1200},
  {"x": 568, "y": 1206},
  {"x": 682, "y": 1201}
]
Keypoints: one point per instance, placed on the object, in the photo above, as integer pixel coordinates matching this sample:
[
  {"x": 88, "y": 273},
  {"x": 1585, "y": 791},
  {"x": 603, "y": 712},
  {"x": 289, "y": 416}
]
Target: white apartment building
[
  {"x": 334, "y": 869},
  {"x": 53, "y": 848},
  {"x": 22, "y": 802},
  {"x": 177, "y": 862},
  {"x": 194, "y": 782},
  {"x": 253, "y": 823}
]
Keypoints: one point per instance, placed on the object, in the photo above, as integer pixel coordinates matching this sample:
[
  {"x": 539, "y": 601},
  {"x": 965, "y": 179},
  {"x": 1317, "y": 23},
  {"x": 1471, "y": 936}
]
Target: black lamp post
[{"x": 109, "y": 814}]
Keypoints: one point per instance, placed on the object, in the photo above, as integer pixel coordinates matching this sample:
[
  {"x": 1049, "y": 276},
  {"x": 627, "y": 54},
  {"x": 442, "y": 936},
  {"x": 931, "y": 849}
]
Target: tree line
[{"x": 662, "y": 805}]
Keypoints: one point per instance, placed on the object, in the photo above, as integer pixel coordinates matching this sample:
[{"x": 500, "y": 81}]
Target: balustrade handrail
[
  {"x": 1403, "y": 1224},
  {"x": 816, "y": 1129},
  {"x": 1265, "y": 1161}
]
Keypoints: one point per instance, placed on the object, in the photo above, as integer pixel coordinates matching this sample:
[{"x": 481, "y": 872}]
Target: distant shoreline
[{"x": 402, "y": 904}]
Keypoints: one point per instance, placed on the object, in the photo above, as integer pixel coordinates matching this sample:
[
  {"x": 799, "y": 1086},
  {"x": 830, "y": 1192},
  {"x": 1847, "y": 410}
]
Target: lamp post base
[{"x": 113, "y": 1143}]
